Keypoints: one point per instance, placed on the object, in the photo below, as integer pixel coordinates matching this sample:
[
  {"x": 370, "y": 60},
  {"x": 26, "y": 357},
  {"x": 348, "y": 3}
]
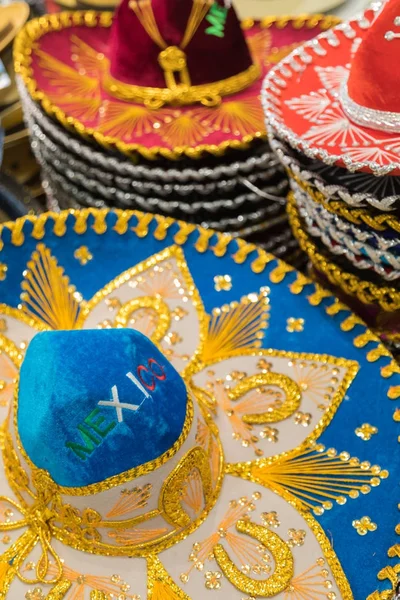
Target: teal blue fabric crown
[{"x": 95, "y": 403}]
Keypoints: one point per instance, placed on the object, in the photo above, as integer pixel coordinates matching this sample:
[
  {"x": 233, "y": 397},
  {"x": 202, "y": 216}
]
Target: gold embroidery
[
  {"x": 83, "y": 255},
  {"x": 388, "y": 298},
  {"x": 281, "y": 554},
  {"x": 209, "y": 94},
  {"x": 273, "y": 414},
  {"x": 35, "y": 29},
  {"x": 3, "y": 271},
  {"x": 364, "y": 525},
  {"x": 222, "y": 283},
  {"x": 237, "y": 326},
  {"x": 366, "y": 431},
  {"x": 171, "y": 491},
  {"x": 59, "y": 590},
  {"x": 294, "y": 325},
  {"x": 147, "y": 305},
  {"x": 358, "y": 216},
  {"x": 315, "y": 477},
  {"x": 47, "y": 293}
]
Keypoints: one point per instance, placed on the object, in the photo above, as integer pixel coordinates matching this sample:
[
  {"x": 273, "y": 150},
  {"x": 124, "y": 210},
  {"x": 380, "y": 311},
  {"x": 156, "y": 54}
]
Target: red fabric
[
  {"x": 373, "y": 80},
  {"x": 134, "y": 56}
]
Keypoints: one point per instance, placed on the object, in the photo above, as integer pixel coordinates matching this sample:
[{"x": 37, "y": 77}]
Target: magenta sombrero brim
[
  {"x": 62, "y": 62},
  {"x": 302, "y": 99}
]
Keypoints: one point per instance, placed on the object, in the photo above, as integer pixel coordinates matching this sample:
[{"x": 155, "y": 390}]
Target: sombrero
[
  {"x": 84, "y": 71},
  {"x": 330, "y": 128},
  {"x": 190, "y": 420}
]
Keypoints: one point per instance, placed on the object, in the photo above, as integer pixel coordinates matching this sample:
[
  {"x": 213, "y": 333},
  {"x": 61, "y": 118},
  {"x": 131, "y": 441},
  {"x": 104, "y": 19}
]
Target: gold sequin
[
  {"x": 223, "y": 283},
  {"x": 294, "y": 325},
  {"x": 303, "y": 419},
  {"x": 3, "y": 271},
  {"x": 83, "y": 255},
  {"x": 366, "y": 431},
  {"x": 35, "y": 594},
  {"x": 364, "y": 525},
  {"x": 213, "y": 580}
]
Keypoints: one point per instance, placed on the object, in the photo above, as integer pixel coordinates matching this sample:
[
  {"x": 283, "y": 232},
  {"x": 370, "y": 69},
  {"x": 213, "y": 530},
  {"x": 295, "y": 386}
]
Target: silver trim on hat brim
[{"x": 381, "y": 120}]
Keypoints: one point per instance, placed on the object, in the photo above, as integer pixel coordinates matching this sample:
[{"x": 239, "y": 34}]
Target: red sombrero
[
  {"x": 164, "y": 78},
  {"x": 336, "y": 99}
]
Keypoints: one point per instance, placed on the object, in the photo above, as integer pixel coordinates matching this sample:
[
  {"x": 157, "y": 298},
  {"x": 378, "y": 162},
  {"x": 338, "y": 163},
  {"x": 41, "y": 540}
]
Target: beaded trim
[
  {"x": 388, "y": 298},
  {"x": 337, "y": 191},
  {"x": 297, "y": 62},
  {"x": 36, "y": 28},
  {"x": 369, "y": 117},
  {"x": 358, "y": 216},
  {"x": 361, "y": 254},
  {"x": 209, "y": 94}
]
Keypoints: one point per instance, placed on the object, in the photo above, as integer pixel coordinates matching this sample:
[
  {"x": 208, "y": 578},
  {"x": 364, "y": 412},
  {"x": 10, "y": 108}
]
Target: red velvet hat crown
[
  {"x": 178, "y": 51},
  {"x": 371, "y": 97}
]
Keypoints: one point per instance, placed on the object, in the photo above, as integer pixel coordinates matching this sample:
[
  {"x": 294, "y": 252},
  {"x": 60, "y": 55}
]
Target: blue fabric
[
  {"x": 64, "y": 377},
  {"x": 366, "y": 402}
]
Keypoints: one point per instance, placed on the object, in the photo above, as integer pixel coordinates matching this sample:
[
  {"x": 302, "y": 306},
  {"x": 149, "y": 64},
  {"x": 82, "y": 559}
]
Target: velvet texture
[
  {"x": 134, "y": 55},
  {"x": 64, "y": 377},
  {"x": 362, "y": 557},
  {"x": 373, "y": 75}
]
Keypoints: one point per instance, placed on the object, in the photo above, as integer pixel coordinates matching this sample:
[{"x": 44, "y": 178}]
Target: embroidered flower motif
[
  {"x": 271, "y": 519},
  {"x": 223, "y": 283},
  {"x": 35, "y": 594},
  {"x": 213, "y": 580},
  {"x": 294, "y": 325},
  {"x": 366, "y": 431},
  {"x": 297, "y": 537},
  {"x": 364, "y": 525},
  {"x": 83, "y": 255},
  {"x": 302, "y": 419},
  {"x": 3, "y": 271}
]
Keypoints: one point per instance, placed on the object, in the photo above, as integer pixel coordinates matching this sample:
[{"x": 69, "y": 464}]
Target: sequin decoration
[
  {"x": 366, "y": 431},
  {"x": 3, "y": 271},
  {"x": 364, "y": 525},
  {"x": 35, "y": 594},
  {"x": 294, "y": 325},
  {"x": 83, "y": 255},
  {"x": 213, "y": 580},
  {"x": 223, "y": 283}
]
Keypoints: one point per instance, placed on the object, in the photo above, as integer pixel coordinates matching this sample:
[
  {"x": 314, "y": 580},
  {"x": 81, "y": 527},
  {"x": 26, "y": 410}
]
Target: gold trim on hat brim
[
  {"x": 37, "y": 28},
  {"x": 367, "y": 292}
]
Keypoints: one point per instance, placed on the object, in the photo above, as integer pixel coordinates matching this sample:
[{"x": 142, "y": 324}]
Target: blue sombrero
[{"x": 193, "y": 419}]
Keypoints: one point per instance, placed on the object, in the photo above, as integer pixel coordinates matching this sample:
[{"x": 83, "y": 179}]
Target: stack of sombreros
[
  {"x": 159, "y": 110},
  {"x": 19, "y": 174},
  {"x": 333, "y": 114}
]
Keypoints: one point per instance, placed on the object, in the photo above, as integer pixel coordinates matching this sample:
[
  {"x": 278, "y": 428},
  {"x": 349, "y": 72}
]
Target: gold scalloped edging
[
  {"x": 296, "y": 287},
  {"x": 219, "y": 249},
  {"x": 36, "y": 28},
  {"x": 388, "y": 298},
  {"x": 358, "y": 216}
]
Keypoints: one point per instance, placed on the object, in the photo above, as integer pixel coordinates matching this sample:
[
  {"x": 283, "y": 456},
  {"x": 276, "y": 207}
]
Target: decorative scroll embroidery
[{"x": 259, "y": 398}]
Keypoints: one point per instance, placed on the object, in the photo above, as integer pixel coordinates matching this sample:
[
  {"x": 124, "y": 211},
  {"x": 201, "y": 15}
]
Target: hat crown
[
  {"x": 372, "y": 84},
  {"x": 94, "y": 404},
  {"x": 110, "y": 439},
  {"x": 206, "y": 37}
]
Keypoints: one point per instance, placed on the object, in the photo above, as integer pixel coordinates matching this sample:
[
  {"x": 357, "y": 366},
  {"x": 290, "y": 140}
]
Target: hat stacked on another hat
[
  {"x": 20, "y": 174},
  {"x": 159, "y": 110},
  {"x": 333, "y": 113}
]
